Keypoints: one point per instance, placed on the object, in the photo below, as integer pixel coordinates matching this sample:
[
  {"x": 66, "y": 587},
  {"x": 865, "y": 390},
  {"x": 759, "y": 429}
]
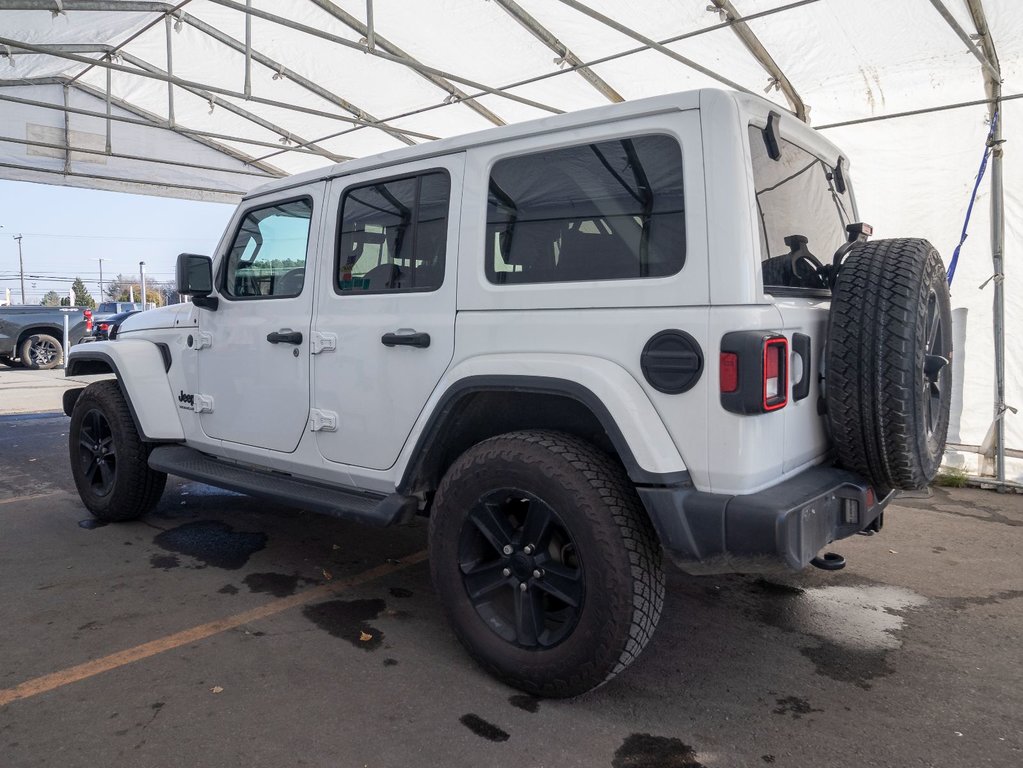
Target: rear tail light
[
  {"x": 754, "y": 372},
  {"x": 776, "y": 373},
  {"x": 88, "y": 320},
  {"x": 729, "y": 372},
  {"x": 104, "y": 326}
]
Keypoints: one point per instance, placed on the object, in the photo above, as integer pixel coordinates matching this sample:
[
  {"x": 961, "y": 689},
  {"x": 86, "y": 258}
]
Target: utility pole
[
  {"x": 21, "y": 268},
  {"x": 101, "y": 279},
  {"x": 142, "y": 282}
]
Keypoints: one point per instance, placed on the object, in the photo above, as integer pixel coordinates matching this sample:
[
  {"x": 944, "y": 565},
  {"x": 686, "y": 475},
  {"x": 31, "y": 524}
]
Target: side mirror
[{"x": 195, "y": 279}]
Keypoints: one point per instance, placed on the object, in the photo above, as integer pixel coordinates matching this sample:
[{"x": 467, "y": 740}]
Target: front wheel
[
  {"x": 109, "y": 461},
  {"x": 547, "y": 567}
]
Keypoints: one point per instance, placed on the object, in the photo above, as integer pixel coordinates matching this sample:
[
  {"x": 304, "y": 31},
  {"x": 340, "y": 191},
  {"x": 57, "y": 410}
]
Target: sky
[{"x": 67, "y": 230}]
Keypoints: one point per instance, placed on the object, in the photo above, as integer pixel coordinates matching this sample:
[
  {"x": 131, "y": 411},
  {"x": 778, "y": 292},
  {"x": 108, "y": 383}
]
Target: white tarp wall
[{"x": 317, "y": 83}]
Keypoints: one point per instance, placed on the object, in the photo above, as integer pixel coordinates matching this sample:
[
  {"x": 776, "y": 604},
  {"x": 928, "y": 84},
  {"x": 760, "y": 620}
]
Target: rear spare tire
[{"x": 887, "y": 373}]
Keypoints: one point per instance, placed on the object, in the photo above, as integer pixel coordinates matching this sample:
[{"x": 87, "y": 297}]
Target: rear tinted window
[
  {"x": 609, "y": 210},
  {"x": 796, "y": 195}
]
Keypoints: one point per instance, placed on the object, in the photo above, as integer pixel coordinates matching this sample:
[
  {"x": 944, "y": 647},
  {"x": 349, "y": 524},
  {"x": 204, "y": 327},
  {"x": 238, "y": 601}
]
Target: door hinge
[
  {"x": 322, "y": 342},
  {"x": 203, "y": 339},
  {"x": 325, "y": 421},
  {"x": 203, "y": 404}
]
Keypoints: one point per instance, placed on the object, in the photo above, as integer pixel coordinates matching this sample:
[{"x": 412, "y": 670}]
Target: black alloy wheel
[
  {"x": 936, "y": 371},
  {"x": 521, "y": 568},
  {"x": 97, "y": 454},
  {"x": 545, "y": 561},
  {"x": 109, "y": 459}
]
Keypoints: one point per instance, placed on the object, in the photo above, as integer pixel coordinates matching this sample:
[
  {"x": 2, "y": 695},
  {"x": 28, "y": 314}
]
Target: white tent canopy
[{"x": 205, "y": 99}]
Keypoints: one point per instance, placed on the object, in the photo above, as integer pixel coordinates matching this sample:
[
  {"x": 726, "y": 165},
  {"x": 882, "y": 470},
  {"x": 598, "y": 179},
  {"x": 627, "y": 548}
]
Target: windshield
[{"x": 796, "y": 195}]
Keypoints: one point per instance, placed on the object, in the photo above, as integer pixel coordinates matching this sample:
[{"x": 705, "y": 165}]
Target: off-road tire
[
  {"x": 618, "y": 553},
  {"x": 32, "y": 347},
  {"x": 135, "y": 488},
  {"x": 890, "y": 318}
]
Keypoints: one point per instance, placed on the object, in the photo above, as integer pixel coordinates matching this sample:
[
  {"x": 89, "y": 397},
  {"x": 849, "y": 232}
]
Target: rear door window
[
  {"x": 394, "y": 235},
  {"x": 608, "y": 210}
]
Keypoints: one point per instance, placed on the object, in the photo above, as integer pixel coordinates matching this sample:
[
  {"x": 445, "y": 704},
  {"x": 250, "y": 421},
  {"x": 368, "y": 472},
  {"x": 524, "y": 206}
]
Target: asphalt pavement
[{"x": 225, "y": 631}]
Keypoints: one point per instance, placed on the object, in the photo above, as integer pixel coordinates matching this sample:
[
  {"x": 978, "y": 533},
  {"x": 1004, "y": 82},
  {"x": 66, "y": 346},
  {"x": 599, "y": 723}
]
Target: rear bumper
[{"x": 780, "y": 528}]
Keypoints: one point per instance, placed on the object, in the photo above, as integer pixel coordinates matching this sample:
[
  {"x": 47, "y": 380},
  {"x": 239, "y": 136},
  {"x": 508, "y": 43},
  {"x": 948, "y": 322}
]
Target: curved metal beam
[
  {"x": 962, "y": 34},
  {"x": 379, "y": 40},
  {"x": 545, "y": 36},
  {"x": 653, "y": 44},
  {"x": 755, "y": 47}
]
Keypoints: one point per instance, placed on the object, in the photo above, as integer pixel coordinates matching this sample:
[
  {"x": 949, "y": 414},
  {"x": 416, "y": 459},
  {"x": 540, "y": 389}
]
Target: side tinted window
[
  {"x": 610, "y": 210},
  {"x": 267, "y": 257},
  {"x": 796, "y": 196},
  {"x": 393, "y": 235}
]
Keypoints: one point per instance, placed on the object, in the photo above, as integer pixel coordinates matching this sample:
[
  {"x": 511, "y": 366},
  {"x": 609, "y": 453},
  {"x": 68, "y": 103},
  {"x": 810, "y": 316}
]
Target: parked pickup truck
[{"x": 32, "y": 336}]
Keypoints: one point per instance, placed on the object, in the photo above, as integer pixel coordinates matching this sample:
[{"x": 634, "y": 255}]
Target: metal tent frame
[{"x": 280, "y": 122}]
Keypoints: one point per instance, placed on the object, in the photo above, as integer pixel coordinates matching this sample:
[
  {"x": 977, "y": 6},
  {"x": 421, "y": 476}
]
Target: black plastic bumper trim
[{"x": 780, "y": 528}]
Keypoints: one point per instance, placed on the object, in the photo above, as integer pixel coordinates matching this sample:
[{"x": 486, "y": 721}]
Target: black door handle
[
  {"x": 420, "y": 340},
  {"x": 285, "y": 337}
]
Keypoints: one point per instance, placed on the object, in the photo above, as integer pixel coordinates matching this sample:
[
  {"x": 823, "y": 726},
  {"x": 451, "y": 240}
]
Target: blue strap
[{"x": 988, "y": 145}]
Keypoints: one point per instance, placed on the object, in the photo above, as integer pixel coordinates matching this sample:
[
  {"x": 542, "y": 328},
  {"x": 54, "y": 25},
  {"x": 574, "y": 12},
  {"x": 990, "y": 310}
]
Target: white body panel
[
  {"x": 377, "y": 391},
  {"x": 144, "y": 379},
  {"x": 590, "y": 333},
  {"x": 260, "y": 390}
]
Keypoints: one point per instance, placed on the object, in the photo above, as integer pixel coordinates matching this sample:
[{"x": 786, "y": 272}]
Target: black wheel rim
[
  {"x": 96, "y": 452},
  {"x": 43, "y": 352},
  {"x": 521, "y": 569},
  {"x": 936, "y": 358}
]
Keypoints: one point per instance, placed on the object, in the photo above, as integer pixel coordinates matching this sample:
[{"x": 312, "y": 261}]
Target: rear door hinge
[
  {"x": 322, "y": 421},
  {"x": 322, "y": 342},
  {"x": 203, "y": 404},
  {"x": 203, "y": 339}
]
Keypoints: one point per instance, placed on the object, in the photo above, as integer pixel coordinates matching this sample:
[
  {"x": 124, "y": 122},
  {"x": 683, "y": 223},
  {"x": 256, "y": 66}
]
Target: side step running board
[{"x": 350, "y": 505}]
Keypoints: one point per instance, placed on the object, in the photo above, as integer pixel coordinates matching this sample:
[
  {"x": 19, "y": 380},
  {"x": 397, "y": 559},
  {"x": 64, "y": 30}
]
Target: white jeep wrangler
[{"x": 573, "y": 343}]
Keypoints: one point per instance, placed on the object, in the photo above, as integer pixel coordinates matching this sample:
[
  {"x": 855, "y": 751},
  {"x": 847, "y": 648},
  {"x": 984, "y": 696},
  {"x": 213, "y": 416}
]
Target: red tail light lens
[
  {"x": 88, "y": 319},
  {"x": 776, "y": 373},
  {"x": 729, "y": 372}
]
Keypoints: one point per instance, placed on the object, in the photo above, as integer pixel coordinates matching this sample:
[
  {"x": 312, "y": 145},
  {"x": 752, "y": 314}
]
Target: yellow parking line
[
  {"x": 30, "y": 498},
  {"x": 169, "y": 642}
]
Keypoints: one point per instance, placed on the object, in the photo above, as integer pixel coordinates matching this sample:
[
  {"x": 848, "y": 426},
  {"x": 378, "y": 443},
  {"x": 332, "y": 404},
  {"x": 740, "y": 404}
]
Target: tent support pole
[
  {"x": 109, "y": 121},
  {"x": 370, "y": 34},
  {"x": 248, "y": 50},
  {"x": 67, "y": 132},
  {"x": 997, "y": 250},
  {"x": 170, "y": 71},
  {"x": 994, "y": 92}
]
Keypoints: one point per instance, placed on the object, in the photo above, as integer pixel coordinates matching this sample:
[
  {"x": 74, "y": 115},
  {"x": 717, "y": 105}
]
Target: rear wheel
[
  {"x": 109, "y": 461},
  {"x": 887, "y": 368},
  {"x": 548, "y": 568},
  {"x": 41, "y": 351}
]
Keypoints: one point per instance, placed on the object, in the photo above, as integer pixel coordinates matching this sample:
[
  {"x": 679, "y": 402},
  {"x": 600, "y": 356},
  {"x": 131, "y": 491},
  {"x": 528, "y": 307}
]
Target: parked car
[
  {"x": 108, "y": 309},
  {"x": 574, "y": 344},
  {"x": 32, "y": 336},
  {"x": 106, "y": 328}
]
